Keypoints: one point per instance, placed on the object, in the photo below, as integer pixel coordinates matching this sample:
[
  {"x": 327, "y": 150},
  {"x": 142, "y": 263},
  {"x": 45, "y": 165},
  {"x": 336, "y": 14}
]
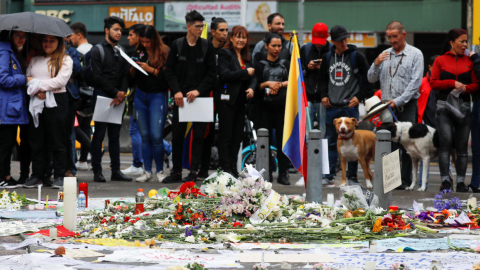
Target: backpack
[{"x": 87, "y": 64}]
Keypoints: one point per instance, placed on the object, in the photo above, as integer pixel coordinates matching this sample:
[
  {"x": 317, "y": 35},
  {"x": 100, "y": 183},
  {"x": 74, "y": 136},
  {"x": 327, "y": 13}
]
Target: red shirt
[{"x": 423, "y": 99}]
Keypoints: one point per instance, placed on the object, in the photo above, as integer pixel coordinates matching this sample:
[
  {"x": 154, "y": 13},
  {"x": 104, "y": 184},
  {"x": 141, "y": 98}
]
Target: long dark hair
[
  {"x": 452, "y": 36},
  {"x": 160, "y": 51},
  {"x": 7, "y": 36},
  {"x": 240, "y": 31},
  {"x": 215, "y": 22}
]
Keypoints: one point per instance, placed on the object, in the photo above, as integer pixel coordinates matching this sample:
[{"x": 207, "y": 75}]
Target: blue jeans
[
  {"x": 420, "y": 173},
  {"x": 150, "y": 111},
  {"x": 476, "y": 144},
  {"x": 319, "y": 112},
  {"x": 136, "y": 143},
  {"x": 332, "y": 135}
]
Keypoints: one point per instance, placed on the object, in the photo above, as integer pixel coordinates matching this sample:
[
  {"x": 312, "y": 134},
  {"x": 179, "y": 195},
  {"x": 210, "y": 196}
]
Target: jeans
[
  {"x": 136, "y": 143},
  {"x": 332, "y": 136},
  {"x": 150, "y": 112},
  {"x": 476, "y": 144},
  {"x": 319, "y": 112},
  {"x": 453, "y": 133}
]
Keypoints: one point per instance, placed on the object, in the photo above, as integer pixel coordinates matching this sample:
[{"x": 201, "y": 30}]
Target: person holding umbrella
[
  {"x": 50, "y": 73},
  {"x": 13, "y": 110}
]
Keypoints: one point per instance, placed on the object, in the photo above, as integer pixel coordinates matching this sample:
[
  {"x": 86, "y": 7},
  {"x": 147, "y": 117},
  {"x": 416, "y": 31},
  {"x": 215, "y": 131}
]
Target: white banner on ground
[{"x": 267, "y": 207}]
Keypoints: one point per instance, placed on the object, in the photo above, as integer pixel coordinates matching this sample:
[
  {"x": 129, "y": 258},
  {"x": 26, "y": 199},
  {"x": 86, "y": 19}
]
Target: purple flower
[{"x": 424, "y": 216}]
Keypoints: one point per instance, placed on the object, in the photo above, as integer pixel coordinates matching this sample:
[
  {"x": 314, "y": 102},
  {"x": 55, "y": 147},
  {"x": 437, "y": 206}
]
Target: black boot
[
  {"x": 98, "y": 177},
  {"x": 119, "y": 176},
  {"x": 282, "y": 179}
]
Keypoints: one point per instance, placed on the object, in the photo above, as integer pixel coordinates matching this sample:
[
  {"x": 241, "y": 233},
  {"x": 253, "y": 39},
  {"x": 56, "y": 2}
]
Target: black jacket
[
  {"x": 476, "y": 67},
  {"x": 236, "y": 79},
  {"x": 176, "y": 68},
  {"x": 150, "y": 83},
  {"x": 111, "y": 74},
  {"x": 312, "y": 77}
]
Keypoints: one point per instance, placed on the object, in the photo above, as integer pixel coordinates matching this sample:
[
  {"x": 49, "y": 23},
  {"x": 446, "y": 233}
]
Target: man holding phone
[{"x": 311, "y": 54}]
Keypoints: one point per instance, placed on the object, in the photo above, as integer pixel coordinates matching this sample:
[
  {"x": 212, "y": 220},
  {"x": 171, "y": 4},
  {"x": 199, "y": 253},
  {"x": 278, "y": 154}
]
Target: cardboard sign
[{"x": 391, "y": 171}]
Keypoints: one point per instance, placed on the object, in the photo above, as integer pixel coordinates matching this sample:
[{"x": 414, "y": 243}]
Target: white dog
[{"x": 421, "y": 142}]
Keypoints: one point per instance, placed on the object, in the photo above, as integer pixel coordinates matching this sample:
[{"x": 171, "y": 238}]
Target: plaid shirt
[{"x": 400, "y": 84}]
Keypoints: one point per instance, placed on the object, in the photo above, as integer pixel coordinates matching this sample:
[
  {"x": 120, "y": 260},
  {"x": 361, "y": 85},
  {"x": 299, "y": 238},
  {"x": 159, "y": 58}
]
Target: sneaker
[
  {"x": 445, "y": 185},
  {"x": 174, "y": 177},
  {"x": 32, "y": 182},
  {"x": 474, "y": 189},
  {"x": 353, "y": 182},
  {"x": 146, "y": 176},
  {"x": 461, "y": 187},
  {"x": 47, "y": 181},
  {"x": 328, "y": 182},
  {"x": 58, "y": 183},
  {"x": 160, "y": 176},
  {"x": 21, "y": 181},
  {"x": 191, "y": 177},
  {"x": 81, "y": 166},
  {"x": 8, "y": 183},
  {"x": 132, "y": 170}
]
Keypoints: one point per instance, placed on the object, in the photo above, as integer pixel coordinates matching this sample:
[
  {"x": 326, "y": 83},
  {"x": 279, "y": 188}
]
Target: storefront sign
[
  {"x": 361, "y": 40},
  {"x": 61, "y": 14},
  {"x": 134, "y": 15},
  {"x": 257, "y": 13}
]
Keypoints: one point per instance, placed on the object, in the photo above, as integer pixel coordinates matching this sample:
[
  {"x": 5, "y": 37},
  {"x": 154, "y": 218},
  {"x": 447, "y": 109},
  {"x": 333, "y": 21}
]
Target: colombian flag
[
  {"x": 188, "y": 139},
  {"x": 295, "y": 128}
]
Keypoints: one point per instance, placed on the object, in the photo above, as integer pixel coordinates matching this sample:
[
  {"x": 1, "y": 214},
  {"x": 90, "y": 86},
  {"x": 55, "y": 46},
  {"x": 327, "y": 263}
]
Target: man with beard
[
  {"x": 276, "y": 24},
  {"x": 110, "y": 74},
  {"x": 400, "y": 71}
]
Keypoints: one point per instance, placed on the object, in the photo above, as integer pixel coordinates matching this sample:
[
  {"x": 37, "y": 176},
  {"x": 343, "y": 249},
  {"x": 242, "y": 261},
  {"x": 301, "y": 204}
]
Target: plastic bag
[
  {"x": 354, "y": 197},
  {"x": 456, "y": 105}
]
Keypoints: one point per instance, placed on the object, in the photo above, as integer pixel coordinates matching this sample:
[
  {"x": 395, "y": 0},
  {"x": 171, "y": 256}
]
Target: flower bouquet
[
  {"x": 11, "y": 200},
  {"x": 218, "y": 184},
  {"x": 444, "y": 201}
]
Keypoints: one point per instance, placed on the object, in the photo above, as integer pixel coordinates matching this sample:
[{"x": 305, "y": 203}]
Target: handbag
[{"x": 455, "y": 105}]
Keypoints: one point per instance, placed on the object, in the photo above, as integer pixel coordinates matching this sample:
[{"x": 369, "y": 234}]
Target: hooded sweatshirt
[{"x": 340, "y": 82}]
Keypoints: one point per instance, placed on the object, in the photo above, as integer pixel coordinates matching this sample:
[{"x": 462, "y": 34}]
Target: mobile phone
[
  {"x": 135, "y": 59},
  {"x": 316, "y": 61}
]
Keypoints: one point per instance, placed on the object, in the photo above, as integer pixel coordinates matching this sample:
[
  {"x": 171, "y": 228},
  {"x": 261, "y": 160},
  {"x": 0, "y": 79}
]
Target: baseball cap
[
  {"x": 338, "y": 33},
  {"x": 319, "y": 33}
]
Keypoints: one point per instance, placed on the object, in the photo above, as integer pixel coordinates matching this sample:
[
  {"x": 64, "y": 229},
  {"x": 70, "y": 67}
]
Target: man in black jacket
[
  {"x": 190, "y": 72},
  {"x": 343, "y": 84},
  {"x": 311, "y": 55},
  {"x": 110, "y": 74}
]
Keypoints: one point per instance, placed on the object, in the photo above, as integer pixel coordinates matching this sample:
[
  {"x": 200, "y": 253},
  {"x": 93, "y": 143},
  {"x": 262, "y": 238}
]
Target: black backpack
[{"x": 87, "y": 64}]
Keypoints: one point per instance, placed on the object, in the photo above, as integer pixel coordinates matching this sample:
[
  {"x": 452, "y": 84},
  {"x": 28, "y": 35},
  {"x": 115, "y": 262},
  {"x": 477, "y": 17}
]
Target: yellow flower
[
  {"x": 301, "y": 206},
  {"x": 377, "y": 226},
  {"x": 137, "y": 243},
  {"x": 159, "y": 236},
  {"x": 96, "y": 229}
]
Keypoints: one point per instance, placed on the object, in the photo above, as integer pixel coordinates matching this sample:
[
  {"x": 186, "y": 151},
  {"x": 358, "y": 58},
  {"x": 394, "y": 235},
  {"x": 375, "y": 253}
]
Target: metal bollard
[
  {"x": 383, "y": 147},
  {"x": 314, "y": 173},
  {"x": 263, "y": 153}
]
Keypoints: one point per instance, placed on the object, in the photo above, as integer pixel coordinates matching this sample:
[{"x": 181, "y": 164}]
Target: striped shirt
[{"x": 400, "y": 75}]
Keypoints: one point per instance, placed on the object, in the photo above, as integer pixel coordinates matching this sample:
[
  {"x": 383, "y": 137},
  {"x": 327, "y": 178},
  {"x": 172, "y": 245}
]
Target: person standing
[
  {"x": 237, "y": 77},
  {"x": 151, "y": 100},
  {"x": 343, "y": 84},
  {"x": 272, "y": 82},
  {"x": 475, "y": 181},
  {"x": 79, "y": 38},
  {"x": 400, "y": 71},
  {"x": 453, "y": 71},
  {"x": 13, "y": 107},
  {"x": 110, "y": 75},
  {"x": 276, "y": 24},
  {"x": 311, "y": 55},
  {"x": 191, "y": 72},
  {"x": 219, "y": 31},
  {"x": 136, "y": 138},
  {"x": 48, "y": 131}
]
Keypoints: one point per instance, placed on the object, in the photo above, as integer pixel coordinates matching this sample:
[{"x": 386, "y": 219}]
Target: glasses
[
  {"x": 391, "y": 38},
  {"x": 199, "y": 26}
]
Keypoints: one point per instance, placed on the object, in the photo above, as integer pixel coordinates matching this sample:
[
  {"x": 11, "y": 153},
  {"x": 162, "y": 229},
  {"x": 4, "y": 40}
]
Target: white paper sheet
[
  {"x": 200, "y": 110},
  {"x": 325, "y": 162},
  {"x": 130, "y": 61},
  {"x": 106, "y": 113}
]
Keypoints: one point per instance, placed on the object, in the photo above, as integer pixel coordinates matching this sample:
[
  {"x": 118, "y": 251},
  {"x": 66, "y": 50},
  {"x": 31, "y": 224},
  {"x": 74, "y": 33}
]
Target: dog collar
[{"x": 346, "y": 139}]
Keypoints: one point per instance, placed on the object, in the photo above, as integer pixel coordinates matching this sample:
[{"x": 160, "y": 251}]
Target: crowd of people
[{"x": 44, "y": 80}]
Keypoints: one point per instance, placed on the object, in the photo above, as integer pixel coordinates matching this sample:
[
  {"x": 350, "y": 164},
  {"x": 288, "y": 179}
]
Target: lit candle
[
  {"x": 472, "y": 203},
  {"x": 330, "y": 199},
  {"x": 53, "y": 233},
  {"x": 70, "y": 203},
  {"x": 39, "y": 193}
]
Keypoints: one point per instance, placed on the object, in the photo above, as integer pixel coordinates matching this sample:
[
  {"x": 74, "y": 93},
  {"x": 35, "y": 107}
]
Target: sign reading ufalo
[
  {"x": 391, "y": 172},
  {"x": 133, "y": 15},
  {"x": 257, "y": 14},
  {"x": 267, "y": 207}
]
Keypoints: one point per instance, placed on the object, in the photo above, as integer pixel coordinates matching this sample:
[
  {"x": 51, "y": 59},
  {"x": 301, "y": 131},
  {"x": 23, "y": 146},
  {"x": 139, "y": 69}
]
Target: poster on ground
[{"x": 257, "y": 13}]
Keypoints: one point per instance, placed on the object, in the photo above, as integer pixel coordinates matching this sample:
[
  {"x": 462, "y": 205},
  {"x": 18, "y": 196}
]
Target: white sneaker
[
  {"x": 81, "y": 166},
  {"x": 146, "y": 176},
  {"x": 160, "y": 176},
  {"x": 132, "y": 170}
]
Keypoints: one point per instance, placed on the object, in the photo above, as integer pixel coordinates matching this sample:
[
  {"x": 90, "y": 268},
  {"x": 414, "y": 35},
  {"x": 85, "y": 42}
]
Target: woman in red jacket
[{"x": 453, "y": 71}]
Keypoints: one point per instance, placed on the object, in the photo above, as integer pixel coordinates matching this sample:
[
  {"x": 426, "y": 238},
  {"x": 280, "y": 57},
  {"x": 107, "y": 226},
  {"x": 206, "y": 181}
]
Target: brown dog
[{"x": 354, "y": 145}]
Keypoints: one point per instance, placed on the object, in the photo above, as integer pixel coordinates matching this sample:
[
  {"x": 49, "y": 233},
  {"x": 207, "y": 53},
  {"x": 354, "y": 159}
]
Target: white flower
[
  {"x": 347, "y": 229},
  {"x": 267, "y": 185},
  {"x": 249, "y": 227},
  {"x": 182, "y": 235},
  {"x": 190, "y": 239},
  {"x": 254, "y": 192},
  {"x": 212, "y": 235},
  {"x": 200, "y": 231}
]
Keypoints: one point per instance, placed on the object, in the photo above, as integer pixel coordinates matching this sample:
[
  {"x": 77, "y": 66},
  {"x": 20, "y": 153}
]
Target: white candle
[
  {"x": 31, "y": 207},
  {"x": 373, "y": 248},
  {"x": 53, "y": 233},
  {"x": 370, "y": 265},
  {"x": 472, "y": 203},
  {"x": 70, "y": 203},
  {"x": 39, "y": 193},
  {"x": 39, "y": 206},
  {"x": 330, "y": 199}
]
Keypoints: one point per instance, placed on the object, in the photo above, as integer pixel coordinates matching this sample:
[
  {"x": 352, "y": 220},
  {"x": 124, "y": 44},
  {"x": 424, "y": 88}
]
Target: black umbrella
[{"x": 31, "y": 22}]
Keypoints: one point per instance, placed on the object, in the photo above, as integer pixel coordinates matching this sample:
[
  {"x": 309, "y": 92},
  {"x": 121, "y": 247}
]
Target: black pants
[
  {"x": 207, "y": 147},
  {"x": 83, "y": 133},
  {"x": 113, "y": 145},
  {"x": 178, "y": 135},
  {"x": 273, "y": 117},
  {"x": 25, "y": 149},
  {"x": 50, "y": 137},
  {"x": 231, "y": 119},
  {"x": 69, "y": 124},
  {"x": 8, "y": 136}
]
